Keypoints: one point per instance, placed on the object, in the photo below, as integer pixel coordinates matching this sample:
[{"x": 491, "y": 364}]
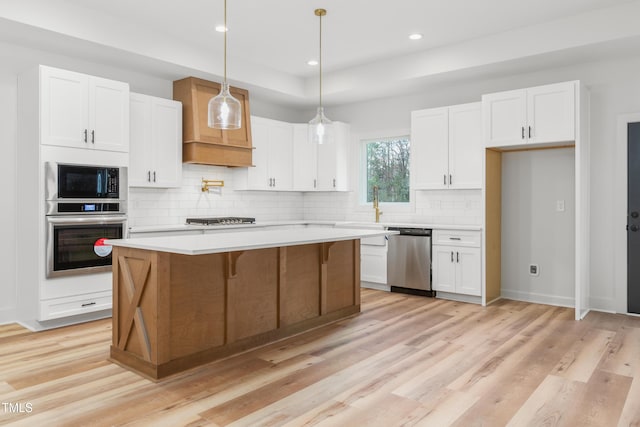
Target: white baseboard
[
  {"x": 35, "y": 326},
  {"x": 378, "y": 286},
  {"x": 602, "y": 304},
  {"x": 459, "y": 297},
  {"x": 538, "y": 298}
]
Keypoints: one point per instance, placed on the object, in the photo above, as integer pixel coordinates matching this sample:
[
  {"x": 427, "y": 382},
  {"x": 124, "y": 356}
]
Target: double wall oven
[{"x": 85, "y": 205}]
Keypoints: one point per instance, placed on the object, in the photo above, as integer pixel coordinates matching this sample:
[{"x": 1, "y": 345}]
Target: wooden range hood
[{"x": 200, "y": 143}]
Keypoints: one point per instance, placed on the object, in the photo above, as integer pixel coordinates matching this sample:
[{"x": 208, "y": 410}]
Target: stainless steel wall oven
[{"x": 85, "y": 205}]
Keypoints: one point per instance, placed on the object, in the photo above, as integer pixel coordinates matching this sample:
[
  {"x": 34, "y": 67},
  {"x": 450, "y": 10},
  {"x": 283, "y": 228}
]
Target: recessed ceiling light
[
  {"x": 415, "y": 36},
  {"x": 312, "y": 62},
  {"x": 221, "y": 29}
]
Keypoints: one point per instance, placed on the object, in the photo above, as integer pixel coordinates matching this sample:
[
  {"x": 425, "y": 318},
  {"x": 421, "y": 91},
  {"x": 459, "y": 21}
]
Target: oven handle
[{"x": 87, "y": 219}]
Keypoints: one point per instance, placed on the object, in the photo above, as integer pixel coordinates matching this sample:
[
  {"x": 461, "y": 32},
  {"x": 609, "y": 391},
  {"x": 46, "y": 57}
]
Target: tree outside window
[{"x": 387, "y": 166}]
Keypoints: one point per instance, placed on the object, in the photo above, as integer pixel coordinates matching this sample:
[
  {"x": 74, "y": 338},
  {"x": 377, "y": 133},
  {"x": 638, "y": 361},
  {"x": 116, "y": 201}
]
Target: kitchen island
[{"x": 183, "y": 301}]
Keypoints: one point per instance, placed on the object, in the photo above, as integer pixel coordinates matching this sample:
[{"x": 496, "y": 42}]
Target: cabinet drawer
[
  {"x": 374, "y": 241},
  {"x": 457, "y": 238},
  {"x": 71, "y": 306}
]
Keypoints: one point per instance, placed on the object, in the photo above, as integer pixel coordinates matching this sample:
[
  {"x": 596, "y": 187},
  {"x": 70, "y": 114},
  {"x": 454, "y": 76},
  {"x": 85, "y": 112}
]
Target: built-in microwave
[{"x": 72, "y": 189}]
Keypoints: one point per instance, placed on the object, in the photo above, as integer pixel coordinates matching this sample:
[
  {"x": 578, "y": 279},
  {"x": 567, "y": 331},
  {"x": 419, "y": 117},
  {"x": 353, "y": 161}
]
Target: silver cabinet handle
[
  {"x": 154, "y": 176},
  {"x": 529, "y": 131},
  {"x": 149, "y": 176},
  {"x": 85, "y": 135},
  {"x": 451, "y": 256},
  {"x": 444, "y": 177},
  {"x": 522, "y": 132},
  {"x": 93, "y": 136},
  {"x": 450, "y": 180},
  {"x": 457, "y": 256},
  {"x": 334, "y": 183},
  {"x": 274, "y": 182},
  {"x": 315, "y": 182},
  {"x": 455, "y": 238},
  {"x": 87, "y": 304}
]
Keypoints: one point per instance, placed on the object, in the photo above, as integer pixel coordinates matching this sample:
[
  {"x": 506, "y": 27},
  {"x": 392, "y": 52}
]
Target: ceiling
[{"x": 366, "y": 50}]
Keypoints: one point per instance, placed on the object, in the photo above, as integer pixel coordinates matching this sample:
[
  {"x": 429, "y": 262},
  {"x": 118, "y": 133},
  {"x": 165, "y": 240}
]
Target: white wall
[{"x": 533, "y": 230}]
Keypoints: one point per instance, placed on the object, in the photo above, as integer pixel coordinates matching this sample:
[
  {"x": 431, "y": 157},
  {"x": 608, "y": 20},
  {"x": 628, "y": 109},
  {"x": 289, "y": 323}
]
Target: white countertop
[
  {"x": 341, "y": 224},
  {"x": 201, "y": 244}
]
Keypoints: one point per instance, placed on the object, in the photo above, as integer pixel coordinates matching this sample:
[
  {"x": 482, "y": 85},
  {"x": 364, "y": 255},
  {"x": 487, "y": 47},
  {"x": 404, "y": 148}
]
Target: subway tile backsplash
[{"x": 157, "y": 206}]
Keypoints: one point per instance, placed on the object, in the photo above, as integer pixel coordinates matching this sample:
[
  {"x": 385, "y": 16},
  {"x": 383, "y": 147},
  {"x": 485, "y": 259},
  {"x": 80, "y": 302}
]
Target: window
[{"x": 386, "y": 164}]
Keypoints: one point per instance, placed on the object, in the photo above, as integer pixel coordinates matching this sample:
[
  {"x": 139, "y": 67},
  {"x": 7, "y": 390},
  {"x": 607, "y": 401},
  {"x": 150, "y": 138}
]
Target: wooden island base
[{"x": 173, "y": 312}]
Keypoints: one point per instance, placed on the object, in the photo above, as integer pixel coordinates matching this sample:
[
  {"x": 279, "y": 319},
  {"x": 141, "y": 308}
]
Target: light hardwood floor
[{"x": 403, "y": 361}]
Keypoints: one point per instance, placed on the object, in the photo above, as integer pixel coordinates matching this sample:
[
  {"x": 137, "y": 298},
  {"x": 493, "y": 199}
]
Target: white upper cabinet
[
  {"x": 321, "y": 167},
  {"x": 333, "y": 159},
  {"x": 305, "y": 159},
  {"x": 465, "y": 146},
  {"x": 155, "y": 157},
  {"x": 446, "y": 147},
  {"x": 82, "y": 111},
  {"x": 272, "y": 157},
  {"x": 538, "y": 115}
]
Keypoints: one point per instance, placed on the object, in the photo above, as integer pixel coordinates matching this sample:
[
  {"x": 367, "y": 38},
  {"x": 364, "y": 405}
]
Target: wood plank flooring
[{"x": 404, "y": 361}]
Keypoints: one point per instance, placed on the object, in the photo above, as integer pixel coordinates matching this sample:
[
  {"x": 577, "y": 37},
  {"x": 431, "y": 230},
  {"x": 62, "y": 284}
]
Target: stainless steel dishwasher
[{"x": 409, "y": 261}]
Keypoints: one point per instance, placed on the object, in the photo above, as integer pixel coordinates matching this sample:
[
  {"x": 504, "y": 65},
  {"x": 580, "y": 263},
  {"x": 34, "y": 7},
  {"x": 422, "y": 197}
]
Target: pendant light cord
[
  {"x": 226, "y": 29},
  {"x": 320, "y": 61}
]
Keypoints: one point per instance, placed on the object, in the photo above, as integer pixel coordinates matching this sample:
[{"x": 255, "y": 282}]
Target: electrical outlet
[
  {"x": 534, "y": 270},
  {"x": 560, "y": 205}
]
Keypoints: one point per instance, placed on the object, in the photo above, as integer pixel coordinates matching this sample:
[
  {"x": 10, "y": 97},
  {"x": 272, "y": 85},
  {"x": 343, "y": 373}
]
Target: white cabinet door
[
  {"x": 504, "y": 117},
  {"x": 155, "y": 156},
  {"x": 63, "y": 108},
  {"x": 429, "y": 149},
  {"x": 140, "y": 160},
  {"x": 468, "y": 280},
  {"x": 108, "y": 114},
  {"x": 465, "y": 146},
  {"x": 333, "y": 160},
  {"x": 83, "y": 111},
  {"x": 280, "y": 156},
  {"x": 551, "y": 113},
  {"x": 305, "y": 159},
  {"x": 373, "y": 263},
  {"x": 258, "y": 176},
  {"x": 444, "y": 269},
  {"x": 166, "y": 142}
]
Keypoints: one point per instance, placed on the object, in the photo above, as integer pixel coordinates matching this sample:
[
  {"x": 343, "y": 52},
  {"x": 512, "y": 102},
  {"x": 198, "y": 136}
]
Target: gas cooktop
[{"x": 225, "y": 220}]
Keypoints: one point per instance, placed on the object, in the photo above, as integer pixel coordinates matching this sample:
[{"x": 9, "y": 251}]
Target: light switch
[{"x": 560, "y": 205}]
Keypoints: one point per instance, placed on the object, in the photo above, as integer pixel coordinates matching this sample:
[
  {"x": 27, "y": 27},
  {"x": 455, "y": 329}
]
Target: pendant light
[
  {"x": 320, "y": 126},
  {"x": 224, "y": 110}
]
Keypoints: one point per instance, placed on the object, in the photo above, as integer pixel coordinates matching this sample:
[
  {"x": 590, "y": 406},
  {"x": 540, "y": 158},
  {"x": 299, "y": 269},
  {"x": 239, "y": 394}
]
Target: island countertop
[{"x": 245, "y": 240}]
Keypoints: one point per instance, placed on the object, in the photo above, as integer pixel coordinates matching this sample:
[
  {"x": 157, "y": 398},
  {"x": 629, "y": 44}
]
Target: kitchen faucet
[{"x": 376, "y": 203}]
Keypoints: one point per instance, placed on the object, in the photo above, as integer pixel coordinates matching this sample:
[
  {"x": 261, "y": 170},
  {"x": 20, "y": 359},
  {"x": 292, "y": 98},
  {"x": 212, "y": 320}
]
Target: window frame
[{"x": 390, "y": 207}]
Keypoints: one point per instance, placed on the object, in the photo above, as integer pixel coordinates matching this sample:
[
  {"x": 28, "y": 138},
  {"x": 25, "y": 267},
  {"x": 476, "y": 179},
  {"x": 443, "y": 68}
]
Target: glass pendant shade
[
  {"x": 224, "y": 110},
  {"x": 320, "y": 129}
]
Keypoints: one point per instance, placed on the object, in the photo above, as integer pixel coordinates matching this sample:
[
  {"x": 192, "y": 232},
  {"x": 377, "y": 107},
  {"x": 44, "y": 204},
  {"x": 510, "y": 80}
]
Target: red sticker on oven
[{"x": 101, "y": 248}]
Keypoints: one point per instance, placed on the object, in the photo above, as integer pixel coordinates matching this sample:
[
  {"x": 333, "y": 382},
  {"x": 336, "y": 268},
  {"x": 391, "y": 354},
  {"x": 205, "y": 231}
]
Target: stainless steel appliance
[
  {"x": 227, "y": 220},
  {"x": 71, "y": 189},
  {"x": 409, "y": 261},
  {"x": 85, "y": 205},
  {"x": 75, "y": 245}
]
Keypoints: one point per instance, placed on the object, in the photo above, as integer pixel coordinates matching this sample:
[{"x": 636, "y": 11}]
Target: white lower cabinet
[
  {"x": 72, "y": 306},
  {"x": 373, "y": 260},
  {"x": 456, "y": 262}
]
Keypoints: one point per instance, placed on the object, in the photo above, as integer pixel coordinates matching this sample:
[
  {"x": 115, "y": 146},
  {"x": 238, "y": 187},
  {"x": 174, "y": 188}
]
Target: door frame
[{"x": 620, "y": 206}]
